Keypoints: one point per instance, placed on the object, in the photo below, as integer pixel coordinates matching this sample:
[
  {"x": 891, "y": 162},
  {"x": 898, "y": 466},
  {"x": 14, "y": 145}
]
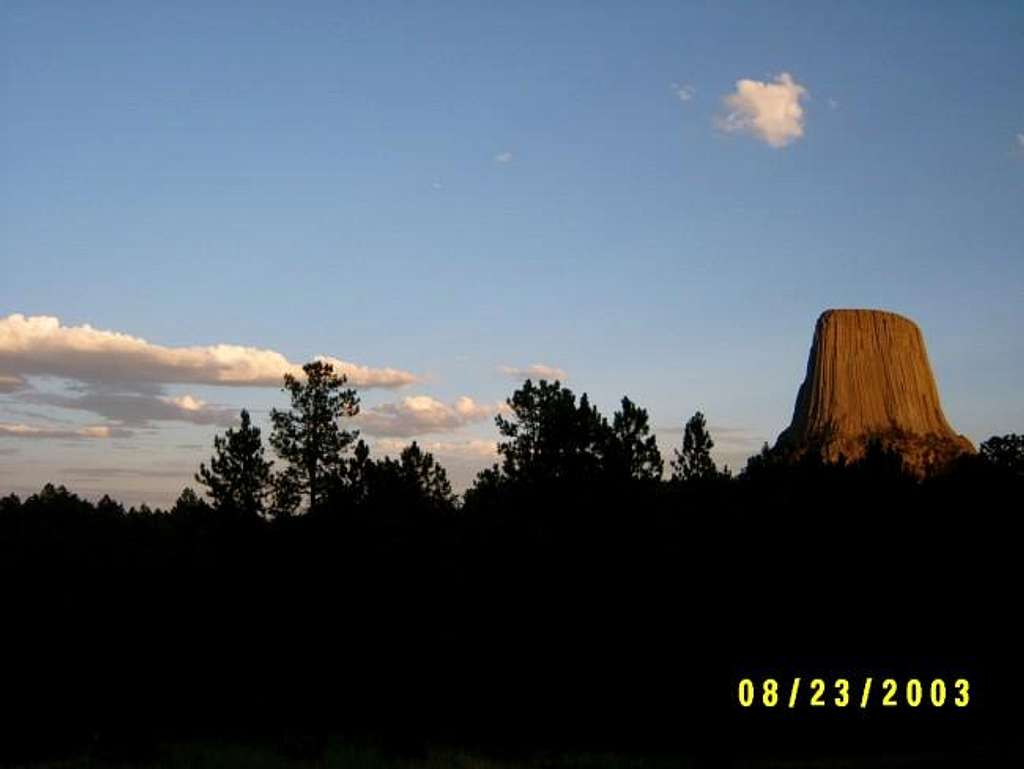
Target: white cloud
[
  {"x": 503, "y": 157},
  {"x": 419, "y": 414},
  {"x": 40, "y": 345},
  {"x": 770, "y": 112},
  {"x": 536, "y": 371},
  {"x": 683, "y": 91},
  {"x": 1020, "y": 141},
  {"x": 10, "y": 430},
  {"x": 186, "y": 402},
  {"x": 833, "y": 103}
]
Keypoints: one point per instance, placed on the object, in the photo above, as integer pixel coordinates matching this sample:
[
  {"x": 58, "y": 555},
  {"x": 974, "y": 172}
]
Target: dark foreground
[
  {"x": 583, "y": 626},
  {"x": 337, "y": 754}
]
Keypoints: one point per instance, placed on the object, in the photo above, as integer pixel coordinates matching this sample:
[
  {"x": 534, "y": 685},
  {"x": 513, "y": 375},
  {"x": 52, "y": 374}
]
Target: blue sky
[{"x": 446, "y": 189}]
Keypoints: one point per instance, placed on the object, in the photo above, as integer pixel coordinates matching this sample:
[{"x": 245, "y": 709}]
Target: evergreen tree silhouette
[
  {"x": 309, "y": 437},
  {"x": 549, "y": 436},
  {"x": 694, "y": 461},
  {"x": 1005, "y": 452},
  {"x": 428, "y": 477},
  {"x": 634, "y": 453},
  {"x": 238, "y": 478}
]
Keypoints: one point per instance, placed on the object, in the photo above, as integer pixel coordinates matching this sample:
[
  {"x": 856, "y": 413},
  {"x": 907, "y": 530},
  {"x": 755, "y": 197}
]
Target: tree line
[{"x": 547, "y": 436}]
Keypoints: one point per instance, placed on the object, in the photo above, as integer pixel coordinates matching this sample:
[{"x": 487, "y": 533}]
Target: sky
[{"x": 645, "y": 199}]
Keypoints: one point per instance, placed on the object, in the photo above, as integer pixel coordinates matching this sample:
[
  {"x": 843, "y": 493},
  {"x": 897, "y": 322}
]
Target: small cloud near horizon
[
  {"x": 535, "y": 371},
  {"x": 475, "y": 448},
  {"x": 419, "y": 414},
  {"x": 768, "y": 111},
  {"x": 503, "y": 157}
]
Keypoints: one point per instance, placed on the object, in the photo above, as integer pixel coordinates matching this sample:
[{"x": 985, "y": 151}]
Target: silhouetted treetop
[
  {"x": 694, "y": 462},
  {"x": 309, "y": 437},
  {"x": 633, "y": 452},
  {"x": 1005, "y": 452},
  {"x": 238, "y": 478},
  {"x": 549, "y": 436},
  {"x": 423, "y": 473}
]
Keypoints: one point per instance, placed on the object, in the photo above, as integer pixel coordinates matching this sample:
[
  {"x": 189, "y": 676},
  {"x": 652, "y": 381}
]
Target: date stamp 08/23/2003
[{"x": 862, "y": 693}]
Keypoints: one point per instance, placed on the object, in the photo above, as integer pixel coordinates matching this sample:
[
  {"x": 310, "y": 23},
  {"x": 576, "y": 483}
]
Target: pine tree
[
  {"x": 548, "y": 436},
  {"x": 694, "y": 461},
  {"x": 309, "y": 437},
  {"x": 238, "y": 478},
  {"x": 633, "y": 452},
  {"x": 428, "y": 477}
]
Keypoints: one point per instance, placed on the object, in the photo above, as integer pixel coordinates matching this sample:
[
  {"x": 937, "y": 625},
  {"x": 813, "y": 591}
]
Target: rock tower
[{"x": 868, "y": 377}]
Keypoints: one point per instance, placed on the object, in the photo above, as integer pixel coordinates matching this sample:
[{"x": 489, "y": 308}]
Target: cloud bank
[
  {"x": 770, "y": 112},
  {"x": 139, "y": 409},
  {"x": 41, "y": 346}
]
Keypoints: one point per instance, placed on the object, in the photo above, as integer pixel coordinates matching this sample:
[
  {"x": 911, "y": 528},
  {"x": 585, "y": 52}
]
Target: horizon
[{"x": 653, "y": 202}]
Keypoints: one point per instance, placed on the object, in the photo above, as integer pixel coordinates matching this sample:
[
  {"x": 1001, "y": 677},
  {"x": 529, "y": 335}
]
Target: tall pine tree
[{"x": 309, "y": 437}]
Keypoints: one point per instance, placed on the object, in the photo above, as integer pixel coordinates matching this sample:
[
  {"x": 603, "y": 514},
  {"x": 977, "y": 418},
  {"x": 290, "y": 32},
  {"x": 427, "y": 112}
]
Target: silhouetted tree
[
  {"x": 59, "y": 498},
  {"x": 407, "y": 486},
  {"x": 285, "y": 495},
  {"x": 238, "y": 478},
  {"x": 759, "y": 464},
  {"x": 309, "y": 437},
  {"x": 1005, "y": 452},
  {"x": 633, "y": 452},
  {"x": 486, "y": 489},
  {"x": 354, "y": 487},
  {"x": 109, "y": 506},
  {"x": 10, "y": 502},
  {"x": 188, "y": 502},
  {"x": 427, "y": 476},
  {"x": 548, "y": 436},
  {"x": 694, "y": 462}
]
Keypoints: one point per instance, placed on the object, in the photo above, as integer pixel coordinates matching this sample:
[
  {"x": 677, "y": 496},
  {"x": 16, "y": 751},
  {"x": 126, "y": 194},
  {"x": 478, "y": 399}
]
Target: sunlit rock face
[{"x": 868, "y": 377}]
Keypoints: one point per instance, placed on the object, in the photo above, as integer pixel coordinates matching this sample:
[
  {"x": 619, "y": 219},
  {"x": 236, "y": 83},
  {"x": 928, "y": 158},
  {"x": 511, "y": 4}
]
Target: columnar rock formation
[{"x": 868, "y": 378}]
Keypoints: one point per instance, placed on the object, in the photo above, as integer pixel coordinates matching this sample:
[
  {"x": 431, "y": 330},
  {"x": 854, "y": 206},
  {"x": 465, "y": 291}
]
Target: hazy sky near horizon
[{"x": 648, "y": 199}]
